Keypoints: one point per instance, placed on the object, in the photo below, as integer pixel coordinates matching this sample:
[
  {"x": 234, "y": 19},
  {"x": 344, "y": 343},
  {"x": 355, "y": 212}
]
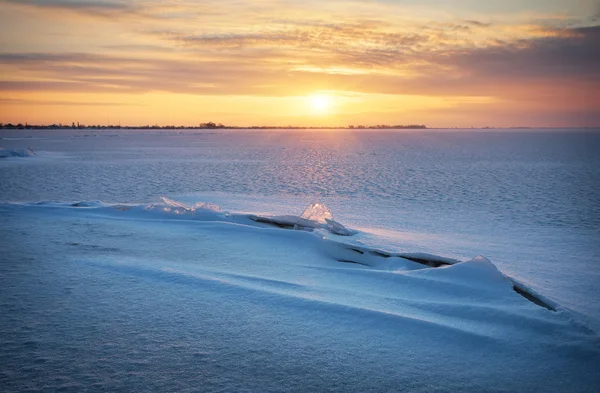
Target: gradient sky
[{"x": 442, "y": 63}]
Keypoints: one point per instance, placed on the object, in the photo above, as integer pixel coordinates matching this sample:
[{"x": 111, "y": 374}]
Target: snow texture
[
  {"x": 8, "y": 153},
  {"x": 106, "y": 287},
  {"x": 166, "y": 297}
]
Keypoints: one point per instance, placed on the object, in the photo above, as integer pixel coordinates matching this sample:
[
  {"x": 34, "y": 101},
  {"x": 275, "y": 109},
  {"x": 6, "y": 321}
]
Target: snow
[
  {"x": 114, "y": 277},
  {"x": 151, "y": 298},
  {"x": 8, "y": 153}
]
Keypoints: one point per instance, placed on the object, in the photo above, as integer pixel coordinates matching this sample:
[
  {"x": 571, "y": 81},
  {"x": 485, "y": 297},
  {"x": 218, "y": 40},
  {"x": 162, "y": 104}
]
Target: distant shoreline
[
  {"x": 201, "y": 126},
  {"x": 212, "y": 126}
]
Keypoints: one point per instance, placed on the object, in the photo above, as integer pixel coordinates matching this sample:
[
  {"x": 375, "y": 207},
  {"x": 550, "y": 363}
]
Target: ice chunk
[
  {"x": 197, "y": 206},
  {"x": 87, "y": 204},
  {"x": 429, "y": 259},
  {"x": 532, "y": 296},
  {"x": 174, "y": 203},
  {"x": 337, "y": 228},
  {"x": 288, "y": 222},
  {"x": 316, "y": 216},
  {"x": 317, "y": 212},
  {"x": 206, "y": 206}
]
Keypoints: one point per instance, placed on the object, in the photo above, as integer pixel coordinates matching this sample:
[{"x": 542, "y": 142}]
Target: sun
[{"x": 320, "y": 103}]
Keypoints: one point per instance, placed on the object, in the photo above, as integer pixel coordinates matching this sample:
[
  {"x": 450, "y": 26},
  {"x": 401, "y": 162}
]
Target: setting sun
[
  {"x": 320, "y": 103},
  {"x": 437, "y": 63}
]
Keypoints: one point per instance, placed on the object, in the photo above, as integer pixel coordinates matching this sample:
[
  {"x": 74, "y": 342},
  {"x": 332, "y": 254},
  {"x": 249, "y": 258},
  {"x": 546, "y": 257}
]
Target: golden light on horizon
[
  {"x": 319, "y": 63},
  {"x": 321, "y": 103}
]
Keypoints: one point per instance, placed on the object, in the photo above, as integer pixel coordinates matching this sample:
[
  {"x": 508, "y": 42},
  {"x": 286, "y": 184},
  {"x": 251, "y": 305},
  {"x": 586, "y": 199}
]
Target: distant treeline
[
  {"x": 78, "y": 126},
  {"x": 385, "y": 126},
  {"x": 209, "y": 126}
]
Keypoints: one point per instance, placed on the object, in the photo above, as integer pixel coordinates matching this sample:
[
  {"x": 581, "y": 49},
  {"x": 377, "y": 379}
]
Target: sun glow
[{"x": 320, "y": 103}]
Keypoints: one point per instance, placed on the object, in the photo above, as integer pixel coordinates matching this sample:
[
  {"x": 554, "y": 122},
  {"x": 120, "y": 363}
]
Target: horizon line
[{"x": 219, "y": 126}]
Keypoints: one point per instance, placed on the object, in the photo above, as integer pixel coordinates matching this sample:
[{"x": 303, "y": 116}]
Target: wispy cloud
[
  {"x": 476, "y": 23},
  {"x": 93, "y": 7},
  {"x": 112, "y": 9},
  {"x": 19, "y": 101},
  {"x": 568, "y": 57},
  {"x": 76, "y": 4}
]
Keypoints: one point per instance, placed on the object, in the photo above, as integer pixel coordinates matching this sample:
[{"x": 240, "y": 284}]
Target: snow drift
[{"x": 188, "y": 292}]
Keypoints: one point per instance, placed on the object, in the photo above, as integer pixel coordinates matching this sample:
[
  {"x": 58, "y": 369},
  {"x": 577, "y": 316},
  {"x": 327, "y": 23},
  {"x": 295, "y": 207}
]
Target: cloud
[
  {"x": 319, "y": 36},
  {"x": 130, "y": 10},
  {"x": 138, "y": 48},
  {"x": 76, "y": 5},
  {"x": 277, "y": 64},
  {"x": 63, "y": 86},
  {"x": 476, "y": 23},
  {"x": 571, "y": 53},
  {"x": 596, "y": 16},
  {"x": 18, "y": 101},
  {"x": 292, "y": 55},
  {"x": 76, "y": 72}
]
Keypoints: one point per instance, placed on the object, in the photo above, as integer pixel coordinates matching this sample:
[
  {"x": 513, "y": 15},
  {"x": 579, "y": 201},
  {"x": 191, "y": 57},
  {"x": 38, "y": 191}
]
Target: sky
[{"x": 461, "y": 63}]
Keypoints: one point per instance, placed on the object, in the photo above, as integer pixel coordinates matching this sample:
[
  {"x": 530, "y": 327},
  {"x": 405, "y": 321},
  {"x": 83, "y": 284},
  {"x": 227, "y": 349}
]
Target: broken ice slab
[{"x": 317, "y": 212}]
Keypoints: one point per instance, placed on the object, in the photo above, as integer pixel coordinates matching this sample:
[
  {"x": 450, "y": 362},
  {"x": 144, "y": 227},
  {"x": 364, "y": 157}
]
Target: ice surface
[
  {"x": 6, "y": 153},
  {"x": 129, "y": 295}
]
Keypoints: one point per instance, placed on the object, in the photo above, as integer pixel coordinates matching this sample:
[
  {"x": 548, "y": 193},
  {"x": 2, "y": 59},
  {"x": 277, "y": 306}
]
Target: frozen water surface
[
  {"x": 106, "y": 287},
  {"x": 6, "y": 153}
]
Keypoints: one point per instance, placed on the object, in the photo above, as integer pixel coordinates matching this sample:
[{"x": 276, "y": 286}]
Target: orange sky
[{"x": 462, "y": 63}]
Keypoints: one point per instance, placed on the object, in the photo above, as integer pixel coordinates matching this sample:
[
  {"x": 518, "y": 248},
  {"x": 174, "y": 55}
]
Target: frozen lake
[{"x": 131, "y": 293}]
